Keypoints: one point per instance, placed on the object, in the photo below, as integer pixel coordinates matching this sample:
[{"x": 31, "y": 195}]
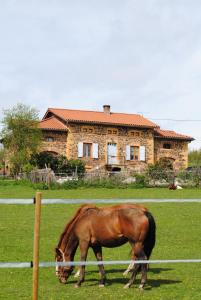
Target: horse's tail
[{"x": 150, "y": 239}]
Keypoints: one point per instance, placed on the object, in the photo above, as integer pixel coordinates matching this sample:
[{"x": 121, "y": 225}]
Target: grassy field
[
  {"x": 178, "y": 236},
  {"x": 17, "y": 191}
]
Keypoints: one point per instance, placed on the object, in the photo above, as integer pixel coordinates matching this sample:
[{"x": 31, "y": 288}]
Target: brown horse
[
  {"x": 108, "y": 227},
  {"x": 82, "y": 209}
]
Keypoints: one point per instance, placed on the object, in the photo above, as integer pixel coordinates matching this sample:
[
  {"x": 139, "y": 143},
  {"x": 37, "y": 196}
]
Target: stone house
[{"x": 111, "y": 141}]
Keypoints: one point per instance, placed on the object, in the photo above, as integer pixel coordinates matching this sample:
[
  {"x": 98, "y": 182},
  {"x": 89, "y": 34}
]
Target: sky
[{"x": 137, "y": 56}]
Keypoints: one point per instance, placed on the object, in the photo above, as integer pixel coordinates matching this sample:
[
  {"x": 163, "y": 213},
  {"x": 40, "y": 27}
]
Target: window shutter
[
  {"x": 128, "y": 152},
  {"x": 95, "y": 150},
  {"x": 142, "y": 153},
  {"x": 80, "y": 149}
]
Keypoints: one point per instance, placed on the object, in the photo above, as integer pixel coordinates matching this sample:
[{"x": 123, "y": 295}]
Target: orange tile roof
[
  {"x": 52, "y": 123},
  {"x": 101, "y": 117},
  {"x": 159, "y": 133}
]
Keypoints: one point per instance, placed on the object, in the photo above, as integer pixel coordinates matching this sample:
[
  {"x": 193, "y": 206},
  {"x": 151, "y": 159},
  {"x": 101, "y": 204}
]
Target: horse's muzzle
[{"x": 63, "y": 280}]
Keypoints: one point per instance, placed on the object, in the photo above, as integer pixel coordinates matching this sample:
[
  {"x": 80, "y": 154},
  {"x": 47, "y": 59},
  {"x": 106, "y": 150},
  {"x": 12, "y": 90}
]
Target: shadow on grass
[
  {"x": 111, "y": 271},
  {"x": 151, "y": 283}
]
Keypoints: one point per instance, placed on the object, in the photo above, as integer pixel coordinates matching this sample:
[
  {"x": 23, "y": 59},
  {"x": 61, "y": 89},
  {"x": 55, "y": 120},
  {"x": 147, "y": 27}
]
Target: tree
[
  {"x": 21, "y": 135},
  {"x": 194, "y": 158},
  {"x": 2, "y": 159}
]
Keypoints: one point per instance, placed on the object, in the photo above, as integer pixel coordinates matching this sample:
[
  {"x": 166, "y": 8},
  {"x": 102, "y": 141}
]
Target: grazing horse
[
  {"x": 126, "y": 205},
  {"x": 108, "y": 227},
  {"x": 82, "y": 209}
]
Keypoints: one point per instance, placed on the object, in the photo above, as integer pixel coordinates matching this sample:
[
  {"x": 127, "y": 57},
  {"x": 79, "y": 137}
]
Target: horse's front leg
[
  {"x": 130, "y": 267},
  {"x": 77, "y": 274},
  {"x": 98, "y": 253},
  {"x": 84, "y": 246}
]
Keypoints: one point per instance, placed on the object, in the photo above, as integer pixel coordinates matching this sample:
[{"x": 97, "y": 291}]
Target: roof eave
[
  {"x": 174, "y": 138},
  {"x": 54, "y": 129},
  {"x": 110, "y": 123}
]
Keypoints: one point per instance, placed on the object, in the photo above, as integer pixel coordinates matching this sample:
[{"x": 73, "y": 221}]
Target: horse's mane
[{"x": 78, "y": 213}]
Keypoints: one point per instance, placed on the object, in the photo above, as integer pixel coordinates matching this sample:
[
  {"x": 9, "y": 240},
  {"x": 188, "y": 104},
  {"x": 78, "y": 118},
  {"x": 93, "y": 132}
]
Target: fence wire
[
  {"x": 20, "y": 265},
  {"x": 98, "y": 201}
]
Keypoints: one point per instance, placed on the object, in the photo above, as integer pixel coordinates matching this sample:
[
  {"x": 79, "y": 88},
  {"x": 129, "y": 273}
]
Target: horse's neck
[{"x": 69, "y": 246}]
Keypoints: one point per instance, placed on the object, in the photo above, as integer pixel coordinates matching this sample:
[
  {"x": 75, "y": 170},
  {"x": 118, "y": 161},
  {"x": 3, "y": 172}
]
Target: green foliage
[
  {"x": 194, "y": 158},
  {"x": 141, "y": 180},
  {"x": 2, "y": 158},
  {"x": 160, "y": 171},
  {"x": 21, "y": 135},
  {"x": 59, "y": 164},
  {"x": 44, "y": 159}
]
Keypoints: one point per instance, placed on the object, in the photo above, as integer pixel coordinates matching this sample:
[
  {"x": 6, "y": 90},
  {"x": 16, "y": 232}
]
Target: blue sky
[{"x": 138, "y": 56}]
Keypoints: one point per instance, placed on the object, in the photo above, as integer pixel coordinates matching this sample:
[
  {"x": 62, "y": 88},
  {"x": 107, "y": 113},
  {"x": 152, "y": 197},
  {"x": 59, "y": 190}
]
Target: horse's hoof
[
  {"x": 101, "y": 285},
  {"x": 77, "y": 286},
  {"x": 141, "y": 287},
  {"x": 127, "y": 286}
]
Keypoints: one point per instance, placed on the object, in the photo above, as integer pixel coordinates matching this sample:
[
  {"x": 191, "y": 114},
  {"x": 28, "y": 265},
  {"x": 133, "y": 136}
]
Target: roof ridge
[
  {"x": 52, "y": 117},
  {"x": 94, "y": 111},
  {"x": 48, "y": 118}
]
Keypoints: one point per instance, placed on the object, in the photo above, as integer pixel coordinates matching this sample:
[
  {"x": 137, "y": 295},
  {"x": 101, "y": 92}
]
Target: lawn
[{"x": 178, "y": 236}]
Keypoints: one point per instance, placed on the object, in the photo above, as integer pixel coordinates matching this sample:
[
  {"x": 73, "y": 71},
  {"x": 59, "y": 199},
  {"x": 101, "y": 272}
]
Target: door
[{"x": 112, "y": 154}]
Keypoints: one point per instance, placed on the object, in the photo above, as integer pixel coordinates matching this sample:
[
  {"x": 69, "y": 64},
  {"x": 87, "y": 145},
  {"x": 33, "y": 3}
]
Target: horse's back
[{"x": 112, "y": 227}]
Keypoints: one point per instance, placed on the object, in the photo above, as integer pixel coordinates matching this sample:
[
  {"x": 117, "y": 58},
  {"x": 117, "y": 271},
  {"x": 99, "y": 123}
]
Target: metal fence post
[{"x": 36, "y": 245}]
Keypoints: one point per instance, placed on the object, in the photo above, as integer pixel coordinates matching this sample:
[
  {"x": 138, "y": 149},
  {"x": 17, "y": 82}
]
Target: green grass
[
  {"x": 178, "y": 236},
  {"x": 18, "y": 191}
]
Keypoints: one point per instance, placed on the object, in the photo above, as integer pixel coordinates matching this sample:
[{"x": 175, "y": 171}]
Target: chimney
[{"x": 106, "y": 109}]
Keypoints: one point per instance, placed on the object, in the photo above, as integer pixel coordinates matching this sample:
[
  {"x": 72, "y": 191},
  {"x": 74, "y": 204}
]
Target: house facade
[{"x": 111, "y": 141}]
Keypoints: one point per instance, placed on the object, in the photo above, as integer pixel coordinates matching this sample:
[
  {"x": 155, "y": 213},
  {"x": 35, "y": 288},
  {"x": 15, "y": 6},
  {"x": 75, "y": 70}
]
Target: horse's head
[{"x": 62, "y": 272}]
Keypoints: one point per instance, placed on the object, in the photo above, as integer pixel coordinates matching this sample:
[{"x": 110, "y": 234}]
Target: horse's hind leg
[
  {"x": 138, "y": 254},
  {"x": 144, "y": 276},
  {"x": 98, "y": 253}
]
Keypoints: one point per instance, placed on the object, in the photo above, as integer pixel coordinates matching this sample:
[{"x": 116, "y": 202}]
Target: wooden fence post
[{"x": 36, "y": 245}]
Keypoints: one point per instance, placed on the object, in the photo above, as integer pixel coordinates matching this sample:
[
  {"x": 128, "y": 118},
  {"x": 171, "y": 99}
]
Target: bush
[
  {"x": 59, "y": 164},
  {"x": 160, "y": 172},
  {"x": 141, "y": 180}
]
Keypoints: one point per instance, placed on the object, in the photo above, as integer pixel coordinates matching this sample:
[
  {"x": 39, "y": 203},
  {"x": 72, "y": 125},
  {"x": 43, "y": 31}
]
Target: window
[
  {"x": 134, "y": 133},
  {"x": 87, "y": 150},
  {"x": 112, "y": 131},
  {"x": 87, "y": 129},
  {"x": 134, "y": 153},
  {"x": 167, "y": 146},
  {"x": 49, "y": 139}
]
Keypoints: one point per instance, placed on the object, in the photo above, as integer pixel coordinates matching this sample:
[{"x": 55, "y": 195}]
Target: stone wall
[
  {"x": 58, "y": 145},
  {"x": 67, "y": 144},
  {"x": 178, "y": 152},
  {"x": 103, "y": 135}
]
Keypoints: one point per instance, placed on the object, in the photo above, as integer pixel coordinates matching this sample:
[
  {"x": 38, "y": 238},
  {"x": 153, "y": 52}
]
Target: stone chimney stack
[{"x": 106, "y": 109}]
